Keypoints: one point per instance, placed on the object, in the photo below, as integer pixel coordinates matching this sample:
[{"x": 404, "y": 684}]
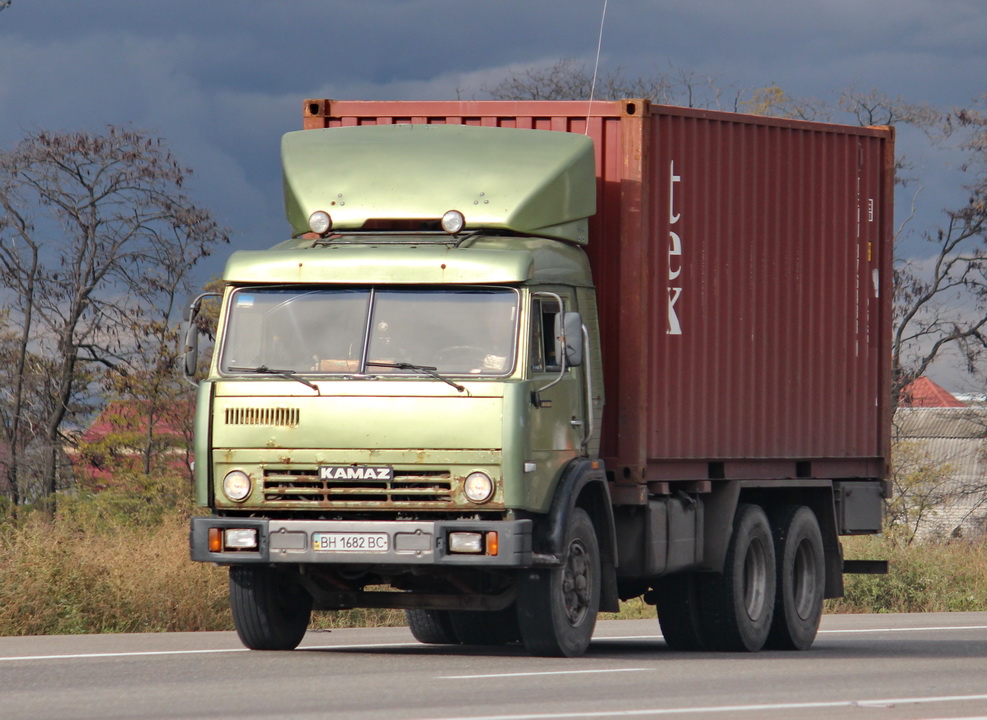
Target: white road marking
[
  {"x": 724, "y": 709},
  {"x": 382, "y": 646},
  {"x": 910, "y": 629},
  {"x": 151, "y": 653},
  {"x": 538, "y": 674},
  {"x": 848, "y": 631},
  {"x": 148, "y": 653}
]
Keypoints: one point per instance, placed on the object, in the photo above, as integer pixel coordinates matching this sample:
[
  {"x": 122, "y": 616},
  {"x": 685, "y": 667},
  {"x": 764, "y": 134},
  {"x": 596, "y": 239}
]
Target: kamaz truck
[{"x": 518, "y": 361}]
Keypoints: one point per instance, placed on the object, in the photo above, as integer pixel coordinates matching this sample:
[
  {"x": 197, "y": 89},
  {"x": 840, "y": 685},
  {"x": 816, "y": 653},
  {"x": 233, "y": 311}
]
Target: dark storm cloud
[{"x": 221, "y": 80}]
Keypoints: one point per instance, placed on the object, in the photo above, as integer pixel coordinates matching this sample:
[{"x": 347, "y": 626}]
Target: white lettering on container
[{"x": 674, "y": 256}]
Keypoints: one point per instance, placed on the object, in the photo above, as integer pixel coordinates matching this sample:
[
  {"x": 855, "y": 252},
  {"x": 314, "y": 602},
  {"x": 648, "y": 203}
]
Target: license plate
[
  {"x": 350, "y": 542},
  {"x": 355, "y": 472}
]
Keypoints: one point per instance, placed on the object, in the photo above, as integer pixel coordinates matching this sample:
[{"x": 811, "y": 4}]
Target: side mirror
[
  {"x": 569, "y": 338},
  {"x": 191, "y": 349}
]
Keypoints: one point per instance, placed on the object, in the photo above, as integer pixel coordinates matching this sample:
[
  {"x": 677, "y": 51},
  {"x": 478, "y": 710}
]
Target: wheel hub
[{"x": 576, "y": 585}]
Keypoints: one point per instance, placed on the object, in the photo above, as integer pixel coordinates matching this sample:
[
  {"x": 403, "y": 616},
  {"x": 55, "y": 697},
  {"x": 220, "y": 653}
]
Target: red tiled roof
[{"x": 922, "y": 392}]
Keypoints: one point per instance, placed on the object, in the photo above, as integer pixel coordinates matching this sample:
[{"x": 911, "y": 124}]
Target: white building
[{"x": 941, "y": 462}]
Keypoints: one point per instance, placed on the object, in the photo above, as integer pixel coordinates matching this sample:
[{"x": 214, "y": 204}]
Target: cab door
[{"x": 556, "y": 418}]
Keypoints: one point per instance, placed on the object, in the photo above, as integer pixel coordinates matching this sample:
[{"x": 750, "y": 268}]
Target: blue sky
[{"x": 222, "y": 80}]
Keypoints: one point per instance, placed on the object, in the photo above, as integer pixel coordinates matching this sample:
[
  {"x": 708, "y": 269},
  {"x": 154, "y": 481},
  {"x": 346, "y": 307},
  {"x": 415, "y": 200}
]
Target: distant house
[
  {"x": 924, "y": 393},
  {"x": 118, "y": 438},
  {"x": 942, "y": 437}
]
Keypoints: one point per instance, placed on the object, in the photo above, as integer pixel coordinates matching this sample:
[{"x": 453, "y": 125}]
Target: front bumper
[{"x": 410, "y": 542}]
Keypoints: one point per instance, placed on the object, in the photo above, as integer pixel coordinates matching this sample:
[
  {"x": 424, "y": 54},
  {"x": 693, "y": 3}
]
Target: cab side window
[{"x": 542, "y": 345}]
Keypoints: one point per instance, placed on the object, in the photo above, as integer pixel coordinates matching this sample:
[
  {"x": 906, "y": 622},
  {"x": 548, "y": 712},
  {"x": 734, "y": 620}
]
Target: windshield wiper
[
  {"x": 286, "y": 374},
  {"x": 427, "y": 369}
]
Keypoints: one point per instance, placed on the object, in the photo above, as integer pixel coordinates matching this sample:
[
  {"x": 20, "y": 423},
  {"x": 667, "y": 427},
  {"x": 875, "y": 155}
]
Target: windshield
[{"x": 463, "y": 331}]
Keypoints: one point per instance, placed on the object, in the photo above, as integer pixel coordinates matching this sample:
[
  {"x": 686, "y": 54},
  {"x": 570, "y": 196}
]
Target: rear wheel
[
  {"x": 432, "y": 627},
  {"x": 737, "y": 606},
  {"x": 270, "y": 609},
  {"x": 557, "y": 607},
  {"x": 677, "y": 602},
  {"x": 801, "y": 579}
]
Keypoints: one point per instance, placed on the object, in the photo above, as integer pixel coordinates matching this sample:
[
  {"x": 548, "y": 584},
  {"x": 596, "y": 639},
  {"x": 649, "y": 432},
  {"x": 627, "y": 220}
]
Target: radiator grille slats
[{"x": 405, "y": 489}]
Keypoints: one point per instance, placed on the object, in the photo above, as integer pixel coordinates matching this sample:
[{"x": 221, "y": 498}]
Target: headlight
[
  {"x": 478, "y": 487},
  {"x": 236, "y": 485}
]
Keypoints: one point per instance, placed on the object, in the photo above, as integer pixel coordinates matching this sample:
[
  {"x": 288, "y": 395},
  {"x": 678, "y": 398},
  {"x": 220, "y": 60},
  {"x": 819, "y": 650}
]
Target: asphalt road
[{"x": 879, "y": 667}]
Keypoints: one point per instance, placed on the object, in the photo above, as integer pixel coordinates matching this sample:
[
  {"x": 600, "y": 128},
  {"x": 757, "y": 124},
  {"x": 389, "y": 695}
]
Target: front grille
[{"x": 405, "y": 489}]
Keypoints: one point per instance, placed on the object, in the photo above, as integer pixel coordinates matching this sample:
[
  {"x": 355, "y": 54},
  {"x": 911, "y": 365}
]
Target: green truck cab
[{"x": 414, "y": 407}]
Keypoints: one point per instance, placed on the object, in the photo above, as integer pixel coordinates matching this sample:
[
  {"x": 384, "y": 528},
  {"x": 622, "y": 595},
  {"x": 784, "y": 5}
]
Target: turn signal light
[{"x": 215, "y": 540}]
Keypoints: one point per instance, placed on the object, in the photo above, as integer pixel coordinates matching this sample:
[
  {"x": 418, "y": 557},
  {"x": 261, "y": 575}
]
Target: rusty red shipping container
[{"x": 743, "y": 267}]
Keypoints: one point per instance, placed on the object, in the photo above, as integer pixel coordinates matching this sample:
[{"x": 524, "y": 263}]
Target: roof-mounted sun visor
[{"x": 535, "y": 182}]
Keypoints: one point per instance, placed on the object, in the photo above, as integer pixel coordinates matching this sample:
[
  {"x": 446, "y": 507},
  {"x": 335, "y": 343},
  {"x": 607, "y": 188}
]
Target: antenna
[{"x": 596, "y": 67}]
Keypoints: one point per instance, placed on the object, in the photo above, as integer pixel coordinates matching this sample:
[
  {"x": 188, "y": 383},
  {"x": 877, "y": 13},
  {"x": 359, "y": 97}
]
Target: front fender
[{"x": 583, "y": 484}]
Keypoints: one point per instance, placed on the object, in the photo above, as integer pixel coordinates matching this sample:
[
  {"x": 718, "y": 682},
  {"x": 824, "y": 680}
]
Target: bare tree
[
  {"x": 568, "y": 80},
  {"x": 941, "y": 303},
  {"x": 97, "y": 236},
  {"x": 773, "y": 101},
  {"x": 943, "y": 306},
  {"x": 872, "y": 107},
  {"x": 672, "y": 85}
]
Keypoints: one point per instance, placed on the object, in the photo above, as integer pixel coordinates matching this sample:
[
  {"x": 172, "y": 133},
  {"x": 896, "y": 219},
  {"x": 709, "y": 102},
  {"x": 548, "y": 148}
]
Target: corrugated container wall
[{"x": 743, "y": 267}]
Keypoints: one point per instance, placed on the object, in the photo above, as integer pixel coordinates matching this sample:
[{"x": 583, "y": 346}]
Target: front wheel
[
  {"x": 557, "y": 607},
  {"x": 270, "y": 609}
]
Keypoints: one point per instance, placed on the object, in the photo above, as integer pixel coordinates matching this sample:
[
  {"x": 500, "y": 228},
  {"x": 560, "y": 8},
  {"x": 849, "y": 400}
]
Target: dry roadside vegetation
[
  {"x": 117, "y": 561},
  {"x": 90, "y": 570},
  {"x": 926, "y": 577}
]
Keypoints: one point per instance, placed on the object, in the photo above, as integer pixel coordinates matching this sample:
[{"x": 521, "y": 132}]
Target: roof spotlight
[
  {"x": 319, "y": 222},
  {"x": 453, "y": 221}
]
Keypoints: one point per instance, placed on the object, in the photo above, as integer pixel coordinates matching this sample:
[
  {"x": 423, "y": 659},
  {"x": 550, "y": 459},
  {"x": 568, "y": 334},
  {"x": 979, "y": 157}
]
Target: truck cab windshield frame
[{"x": 331, "y": 330}]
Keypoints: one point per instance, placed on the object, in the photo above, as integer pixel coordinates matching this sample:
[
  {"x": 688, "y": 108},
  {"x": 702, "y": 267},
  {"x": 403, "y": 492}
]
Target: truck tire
[
  {"x": 738, "y": 605},
  {"x": 557, "y": 607},
  {"x": 679, "y": 615},
  {"x": 801, "y": 578},
  {"x": 270, "y": 609},
  {"x": 432, "y": 627},
  {"x": 480, "y": 627}
]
